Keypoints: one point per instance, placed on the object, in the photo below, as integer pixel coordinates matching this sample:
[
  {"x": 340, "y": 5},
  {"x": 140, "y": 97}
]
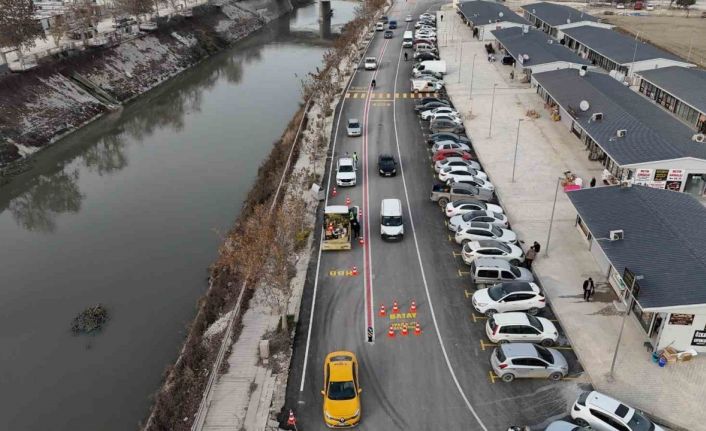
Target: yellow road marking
[
  {"x": 467, "y": 293},
  {"x": 462, "y": 273},
  {"x": 450, "y": 239},
  {"x": 476, "y": 317},
  {"x": 492, "y": 376},
  {"x": 563, "y": 347},
  {"x": 457, "y": 254}
]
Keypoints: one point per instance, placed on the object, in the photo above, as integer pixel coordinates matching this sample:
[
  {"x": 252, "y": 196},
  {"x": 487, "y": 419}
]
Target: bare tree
[
  {"x": 59, "y": 28},
  {"x": 18, "y": 27},
  {"x": 84, "y": 16},
  {"x": 135, "y": 8}
]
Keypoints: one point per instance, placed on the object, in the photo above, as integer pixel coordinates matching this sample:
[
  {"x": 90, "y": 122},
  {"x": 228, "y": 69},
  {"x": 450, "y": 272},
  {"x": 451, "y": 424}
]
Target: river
[{"x": 129, "y": 212}]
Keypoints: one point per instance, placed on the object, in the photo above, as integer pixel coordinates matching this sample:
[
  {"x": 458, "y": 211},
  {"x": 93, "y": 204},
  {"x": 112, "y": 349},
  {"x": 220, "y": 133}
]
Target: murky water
[{"x": 127, "y": 213}]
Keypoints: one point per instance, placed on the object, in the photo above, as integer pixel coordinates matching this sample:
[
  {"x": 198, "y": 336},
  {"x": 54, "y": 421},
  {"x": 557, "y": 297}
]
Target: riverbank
[{"x": 39, "y": 107}]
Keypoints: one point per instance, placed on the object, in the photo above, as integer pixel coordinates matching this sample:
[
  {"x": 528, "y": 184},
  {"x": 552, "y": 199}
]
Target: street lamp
[
  {"x": 473, "y": 68},
  {"x": 460, "y": 60},
  {"x": 492, "y": 105},
  {"x": 631, "y": 299},
  {"x": 517, "y": 140},
  {"x": 551, "y": 220}
]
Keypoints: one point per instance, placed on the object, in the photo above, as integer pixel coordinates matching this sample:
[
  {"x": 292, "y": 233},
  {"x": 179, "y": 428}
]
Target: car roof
[
  {"x": 519, "y": 286},
  {"x": 353, "y": 120},
  {"x": 345, "y": 160},
  {"x": 481, "y": 225},
  {"x": 488, "y": 243},
  {"x": 608, "y": 404},
  {"x": 514, "y": 318},
  {"x": 341, "y": 365},
  {"x": 370, "y": 59},
  {"x": 492, "y": 262},
  {"x": 385, "y": 156},
  {"x": 466, "y": 202},
  {"x": 512, "y": 350}
]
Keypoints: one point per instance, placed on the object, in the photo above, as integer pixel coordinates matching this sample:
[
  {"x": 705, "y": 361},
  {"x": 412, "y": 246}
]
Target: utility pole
[
  {"x": 631, "y": 299},
  {"x": 551, "y": 220},
  {"x": 473, "y": 68},
  {"x": 492, "y": 105},
  {"x": 517, "y": 140}
]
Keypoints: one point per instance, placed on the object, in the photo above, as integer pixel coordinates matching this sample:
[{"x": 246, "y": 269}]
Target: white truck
[{"x": 438, "y": 66}]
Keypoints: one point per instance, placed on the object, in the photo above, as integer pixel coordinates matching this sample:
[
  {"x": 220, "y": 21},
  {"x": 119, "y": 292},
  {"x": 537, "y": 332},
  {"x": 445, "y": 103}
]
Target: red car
[{"x": 442, "y": 154}]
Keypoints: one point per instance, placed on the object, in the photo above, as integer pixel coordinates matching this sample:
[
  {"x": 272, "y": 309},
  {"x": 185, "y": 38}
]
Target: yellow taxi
[{"x": 341, "y": 390}]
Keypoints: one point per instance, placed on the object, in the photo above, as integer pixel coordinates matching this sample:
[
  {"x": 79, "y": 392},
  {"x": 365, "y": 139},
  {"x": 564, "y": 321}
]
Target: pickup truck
[{"x": 443, "y": 193}]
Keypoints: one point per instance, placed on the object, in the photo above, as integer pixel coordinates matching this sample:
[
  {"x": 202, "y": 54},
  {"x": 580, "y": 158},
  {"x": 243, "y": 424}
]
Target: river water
[{"x": 127, "y": 213}]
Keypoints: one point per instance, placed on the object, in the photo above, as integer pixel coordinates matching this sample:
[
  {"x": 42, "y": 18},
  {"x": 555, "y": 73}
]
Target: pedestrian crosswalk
[{"x": 388, "y": 96}]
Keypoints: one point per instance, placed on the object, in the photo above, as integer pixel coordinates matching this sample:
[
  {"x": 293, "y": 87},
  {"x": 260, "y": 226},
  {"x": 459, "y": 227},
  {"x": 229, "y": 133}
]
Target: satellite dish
[
  {"x": 568, "y": 20},
  {"x": 500, "y": 14},
  {"x": 584, "y": 105}
]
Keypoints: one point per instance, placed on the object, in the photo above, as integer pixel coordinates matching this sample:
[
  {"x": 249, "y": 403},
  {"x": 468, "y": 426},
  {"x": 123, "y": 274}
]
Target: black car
[
  {"x": 425, "y": 100},
  {"x": 425, "y": 55},
  {"x": 387, "y": 166},
  {"x": 446, "y": 136},
  {"x": 429, "y": 105},
  {"x": 384, "y": 19},
  {"x": 388, "y": 34}
]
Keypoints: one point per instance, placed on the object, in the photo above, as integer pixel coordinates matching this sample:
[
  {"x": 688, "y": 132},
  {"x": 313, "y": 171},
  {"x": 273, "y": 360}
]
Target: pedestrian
[
  {"x": 405, "y": 56},
  {"x": 536, "y": 247},
  {"x": 593, "y": 182},
  {"x": 355, "y": 160},
  {"x": 588, "y": 289},
  {"x": 529, "y": 257},
  {"x": 356, "y": 229},
  {"x": 512, "y": 74},
  {"x": 442, "y": 17}
]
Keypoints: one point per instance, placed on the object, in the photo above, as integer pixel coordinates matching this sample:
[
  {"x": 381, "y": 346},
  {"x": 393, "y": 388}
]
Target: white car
[
  {"x": 492, "y": 248},
  {"x": 345, "y": 172},
  {"x": 464, "y": 220},
  {"x": 449, "y": 145},
  {"x": 462, "y": 206},
  {"x": 455, "y": 161},
  {"x": 509, "y": 296},
  {"x": 453, "y": 116},
  {"x": 620, "y": 6},
  {"x": 455, "y": 175},
  {"x": 370, "y": 63},
  {"x": 603, "y": 413},
  {"x": 408, "y": 18},
  {"x": 427, "y": 15},
  {"x": 444, "y": 174},
  {"x": 474, "y": 181},
  {"x": 478, "y": 230},
  {"x": 650, "y": 6},
  {"x": 427, "y": 115},
  {"x": 425, "y": 35},
  {"x": 380, "y": 26},
  {"x": 522, "y": 328}
]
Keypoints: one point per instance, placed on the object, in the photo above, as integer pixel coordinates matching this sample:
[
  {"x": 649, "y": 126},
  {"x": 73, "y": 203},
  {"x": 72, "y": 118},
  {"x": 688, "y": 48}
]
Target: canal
[{"x": 129, "y": 212}]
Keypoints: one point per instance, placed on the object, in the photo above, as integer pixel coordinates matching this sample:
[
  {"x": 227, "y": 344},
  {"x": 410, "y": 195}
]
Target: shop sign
[
  {"x": 675, "y": 175},
  {"x": 643, "y": 174},
  {"x": 674, "y": 186},
  {"x": 656, "y": 184},
  {"x": 699, "y": 338},
  {"x": 661, "y": 174},
  {"x": 681, "y": 319}
]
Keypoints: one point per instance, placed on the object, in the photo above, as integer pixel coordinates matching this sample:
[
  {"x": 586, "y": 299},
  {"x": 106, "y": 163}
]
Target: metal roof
[
  {"x": 652, "y": 134},
  {"x": 481, "y": 12},
  {"x": 616, "y": 46},
  {"x": 557, "y": 14},
  {"x": 685, "y": 83},
  {"x": 535, "y": 44},
  {"x": 664, "y": 239}
]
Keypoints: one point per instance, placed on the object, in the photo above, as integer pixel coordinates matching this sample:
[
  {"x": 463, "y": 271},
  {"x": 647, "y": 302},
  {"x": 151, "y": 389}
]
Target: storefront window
[{"x": 645, "y": 318}]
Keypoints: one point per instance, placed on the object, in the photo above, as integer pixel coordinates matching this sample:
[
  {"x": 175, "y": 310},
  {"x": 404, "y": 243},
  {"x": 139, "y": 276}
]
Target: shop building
[
  {"x": 679, "y": 90},
  {"x": 633, "y": 139},
  {"x": 615, "y": 52},
  {"x": 551, "y": 18},
  {"x": 649, "y": 243},
  {"x": 484, "y": 16},
  {"x": 533, "y": 51}
]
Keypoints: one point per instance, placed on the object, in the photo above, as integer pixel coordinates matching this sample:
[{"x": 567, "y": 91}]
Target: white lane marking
[
  {"x": 321, "y": 240},
  {"x": 419, "y": 259}
]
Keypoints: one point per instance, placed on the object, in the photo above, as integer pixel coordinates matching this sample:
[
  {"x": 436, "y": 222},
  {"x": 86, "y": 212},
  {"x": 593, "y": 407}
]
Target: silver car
[
  {"x": 444, "y": 125},
  {"x": 353, "y": 128},
  {"x": 526, "y": 360}
]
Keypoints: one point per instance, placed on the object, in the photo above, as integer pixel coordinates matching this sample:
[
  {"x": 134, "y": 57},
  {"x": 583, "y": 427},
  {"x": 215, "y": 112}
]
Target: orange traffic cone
[
  {"x": 333, "y": 192},
  {"x": 348, "y": 201},
  {"x": 355, "y": 270},
  {"x": 413, "y": 307},
  {"x": 404, "y": 329},
  {"x": 382, "y": 310},
  {"x": 391, "y": 332},
  {"x": 395, "y": 308},
  {"x": 361, "y": 241},
  {"x": 417, "y": 329}
]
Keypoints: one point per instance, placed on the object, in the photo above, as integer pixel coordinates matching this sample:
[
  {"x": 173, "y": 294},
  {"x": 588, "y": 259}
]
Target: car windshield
[
  {"x": 544, "y": 354},
  {"x": 341, "y": 390},
  {"x": 345, "y": 168},
  {"x": 504, "y": 247},
  {"x": 535, "y": 323},
  {"x": 496, "y": 292},
  {"x": 354, "y": 125},
  {"x": 496, "y": 231},
  {"x": 638, "y": 422},
  {"x": 515, "y": 271},
  {"x": 387, "y": 162},
  {"x": 392, "y": 221}
]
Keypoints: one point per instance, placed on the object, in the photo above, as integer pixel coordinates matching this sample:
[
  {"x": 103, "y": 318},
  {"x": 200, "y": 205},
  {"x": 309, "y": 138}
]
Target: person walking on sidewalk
[
  {"x": 536, "y": 247},
  {"x": 588, "y": 289},
  {"x": 529, "y": 257},
  {"x": 405, "y": 56}
]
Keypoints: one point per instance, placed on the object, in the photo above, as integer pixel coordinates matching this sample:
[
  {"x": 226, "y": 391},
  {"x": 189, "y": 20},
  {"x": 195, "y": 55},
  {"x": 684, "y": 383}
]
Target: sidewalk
[{"x": 546, "y": 149}]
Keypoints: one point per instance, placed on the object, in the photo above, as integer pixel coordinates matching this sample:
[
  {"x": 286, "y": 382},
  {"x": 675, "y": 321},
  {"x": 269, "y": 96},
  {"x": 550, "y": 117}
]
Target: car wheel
[
  {"x": 490, "y": 313},
  {"x": 555, "y": 376},
  {"x": 508, "y": 377},
  {"x": 533, "y": 311},
  {"x": 581, "y": 422},
  {"x": 443, "y": 202},
  {"x": 547, "y": 342},
  {"x": 514, "y": 262}
]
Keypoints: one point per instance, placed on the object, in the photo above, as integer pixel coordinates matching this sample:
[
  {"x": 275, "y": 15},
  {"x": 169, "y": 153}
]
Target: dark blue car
[{"x": 392, "y": 25}]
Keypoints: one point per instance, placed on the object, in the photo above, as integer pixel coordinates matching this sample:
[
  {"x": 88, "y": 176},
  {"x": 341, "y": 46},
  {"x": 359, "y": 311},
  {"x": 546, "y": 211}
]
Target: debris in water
[{"x": 90, "y": 320}]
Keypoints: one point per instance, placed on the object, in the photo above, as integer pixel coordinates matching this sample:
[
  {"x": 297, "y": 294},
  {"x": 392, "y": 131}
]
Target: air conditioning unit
[
  {"x": 621, "y": 133},
  {"x": 616, "y": 235},
  {"x": 597, "y": 116}
]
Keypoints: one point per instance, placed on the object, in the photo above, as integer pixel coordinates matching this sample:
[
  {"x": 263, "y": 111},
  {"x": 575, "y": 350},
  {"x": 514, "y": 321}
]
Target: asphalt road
[{"x": 439, "y": 380}]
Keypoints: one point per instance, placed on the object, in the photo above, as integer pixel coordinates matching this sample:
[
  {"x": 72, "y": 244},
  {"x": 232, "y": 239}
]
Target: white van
[
  {"x": 423, "y": 85},
  {"x": 438, "y": 66},
  {"x": 407, "y": 39},
  {"x": 391, "y": 226}
]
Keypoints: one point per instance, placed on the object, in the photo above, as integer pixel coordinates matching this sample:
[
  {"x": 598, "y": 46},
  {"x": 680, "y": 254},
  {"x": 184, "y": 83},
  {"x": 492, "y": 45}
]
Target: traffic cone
[
  {"x": 348, "y": 201},
  {"x": 361, "y": 241},
  {"x": 395, "y": 308},
  {"x": 413, "y": 307},
  {"x": 382, "y": 310},
  {"x": 391, "y": 332},
  {"x": 333, "y": 192},
  {"x": 417, "y": 329},
  {"x": 355, "y": 270},
  {"x": 405, "y": 331}
]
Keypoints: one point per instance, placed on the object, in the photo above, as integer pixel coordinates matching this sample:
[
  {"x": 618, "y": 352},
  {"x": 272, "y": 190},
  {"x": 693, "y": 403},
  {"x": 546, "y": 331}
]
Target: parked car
[
  {"x": 443, "y": 154},
  {"x": 370, "y": 63},
  {"x": 384, "y": 19},
  {"x": 509, "y": 296},
  {"x": 491, "y": 270},
  {"x": 428, "y": 103},
  {"x": 388, "y": 34},
  {"x": 462, "y": 206},
  {"x": 620, "y": 6},
  {"x": 650, "y": 6},
  {"x": 425, "y": 85},
  {"x": 603, "y": 413},
  {"x": 408, "y": 18},
  {"x": 445, "y": 136},
  {"x": 345, "y": 172},
  {"x": 353, "y": 128},
  {"x": 460, "y": 167},
  {"x": 428, "y": 114},
  {"x": 443, "y": 194},
  {"x": 565, "y": 426},
  {"x": 380, "y": 26},
  {"x": 478, "y": 230},
  {"x": 520, "y": 327},
  {"x": 427, "y": 15},
  {"x": 387, "y": 165},
  {"x": 443, "y": 125},
  {"x": 485, "y": 216},
  {"x": 455, "y": 162},
  {"x": 427, "y": 74},
  {"x": 425, "y": 55},
  {"x": 443, "y": 116},
  {"x": 491, "y": 248},
  {"x": 526, "y": 360},
  {"x": 474, "y": 181},
  {"x": 342, "y": 390},
  {"x": 449, "y": 145}
]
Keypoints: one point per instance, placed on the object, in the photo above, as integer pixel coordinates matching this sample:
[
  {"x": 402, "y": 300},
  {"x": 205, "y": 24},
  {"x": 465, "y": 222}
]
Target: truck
[
  {"x": 445, "y": 193},
  {"x": 340, "y": 224}
]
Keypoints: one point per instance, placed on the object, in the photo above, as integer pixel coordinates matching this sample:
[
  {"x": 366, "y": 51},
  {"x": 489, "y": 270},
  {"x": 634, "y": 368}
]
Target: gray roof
[
  {"x": 652, "y": 133},
  {"x": 665, "y": 236},
  {"x": 481, "y": 12},
  {"x": 557, "y": 14},
  {"x": 616, "y": 46},
  {"x": 685, "y": 83},
  {"x": 535, "y": 45}
]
